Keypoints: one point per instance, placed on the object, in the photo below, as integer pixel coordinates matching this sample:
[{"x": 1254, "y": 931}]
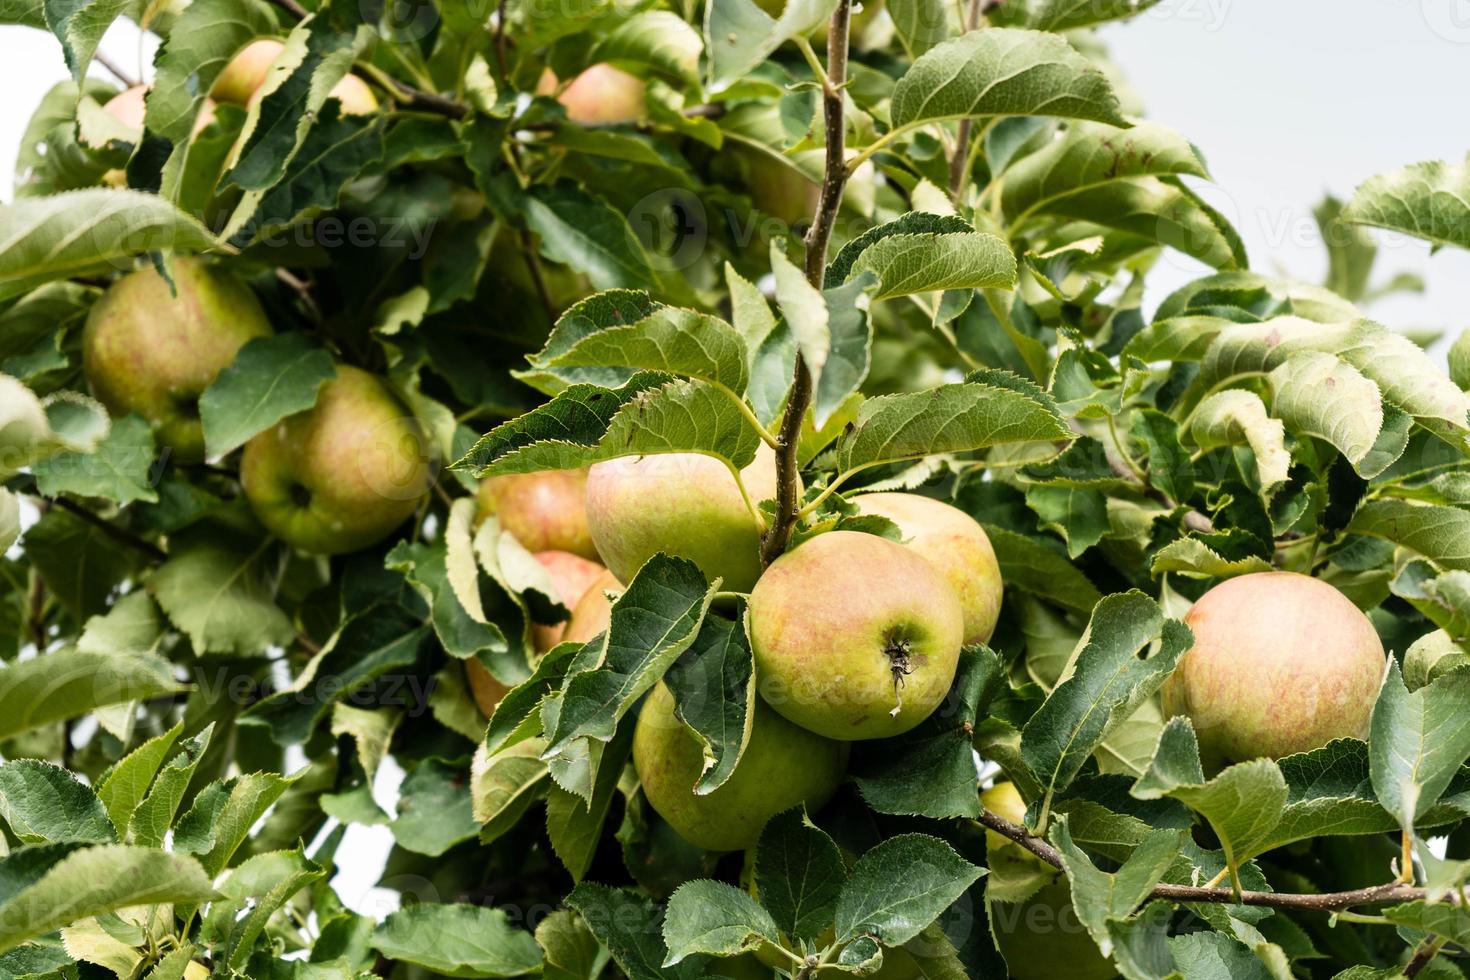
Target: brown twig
[
  {"x": 705, "y": 110},
  {"x": 293, "y": 8},
  {"x": 834, "y": 179},
  {"x": 1323, "y": 902},
  {"x": 961, "y": 155},
  {"x": 120, "y": 534},
  {"x": 500, "y": 58},
  {"x": 1423, "y": 954},
  {"x": 303, "y": 290},
  {"x": 115, "y": 69}
]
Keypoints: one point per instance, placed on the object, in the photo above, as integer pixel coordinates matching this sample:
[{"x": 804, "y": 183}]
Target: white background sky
[{"x": 1287, "y": 99}]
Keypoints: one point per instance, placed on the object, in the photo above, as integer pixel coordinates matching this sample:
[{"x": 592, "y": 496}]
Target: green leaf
[
  {"x": 1431, "y": 655},
  {"x": 222, "y": 595},
  {"x": 1440, "y": 534},
  {"x": 630, "y": 926},
  {"x": 1030, "y": 566},
  {"x": 1215, "y": 956},
  {"x": 712, "y": 917},
  {"x": 896, "y": 889},
  {"x": 851, "y": 331},
  {"x": 574, "y": 825},
  {"x": 1408, "y": 377},
  {"x": 1429, "y": 200},
  {"x": 907, "y": 264},
  {"x": 1109, "y": 681},
  {"x": 948, "y": 419},
  {"x": 713, "y": 683},
  {"x": 589, "y": 235},
  {"x": 79, "y": 562},
  {"x": 804, "y": 309},
  {"x": 87, "y": 232},
  {"x": 1243, "y": 804},
  {"x": 70, "y": 683},
  {"x": 930, "y": 770},
  {"x": 920, "y": 24},
  {"x": 1192, "y": 557},
  {"x": 200, "y": 44},
  {"x": 503, "y": 785},
  {"x": 96, "y": 880},
  {"x": 1065, "y": 15},
  {"x": 668, "y": 339},
  {"x": 570, "y": 950},
  {"x": 1079, "y": 515},
  {"x": 44, "y": 803},
  {"x": 457, "y": 941},
  {"x": 434, "y": 810},
  {"x": 118, "y": 469},
  {"x": 123, "y": 786},
  {"x": 155, "y": 814},
  {"x": 1417, "y": 742},
  {"x": 653, "y": 622},
  {"x": 681, "y": 416},
  {"x": 800, "y": 874},
  {"x": 79, "y": 26},
  {"x": 739, "y": 35},
  {"x": 1227, "y": 418},
  {"x": 660, "y": 39},
  {"x": 315, "y": 59},
  {"x": 271, "y": 378},
  {"x": 1101, "y": 897},
  {"x": 263, "y": 884},
  {"x": 1320, "y": 395},
  {"x": 1003, "y": 72},
  {"x": 337, "y": 149},
  {"x": 222, "y": 815},
  {"x": 1090, "y": 155},
  {"x": 1438, "y": 918}
]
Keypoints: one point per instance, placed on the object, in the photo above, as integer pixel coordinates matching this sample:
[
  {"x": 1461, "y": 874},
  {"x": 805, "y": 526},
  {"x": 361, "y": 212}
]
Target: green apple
[
  {"x": 247, "y": 71},
  {"x": 782, "y": 766},
  {"x": 544, "y": 511},
  {"x": 1040, "y": 937},
  {"x": 593, "y": 612},
  {"x": 683, "y": 504},
  {"x": 953, "y": 542},
  {"x": 149, "y": 351},
  {"x": 340, "y": 476},
  {"x": 600, "y": 96},
  {"x": 854, "y": 636},
  {"x": 1281, "y": 663}
]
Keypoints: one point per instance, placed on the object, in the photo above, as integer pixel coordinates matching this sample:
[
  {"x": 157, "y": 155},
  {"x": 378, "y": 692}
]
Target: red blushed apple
[
  {"x": 342, "y": 475},
  {"x": 953, "y": 542},
  {"x": 1281, "y": 663},
  {"x": 593, "y": 612},
  {"x": 854, "y": 636},
  {"x": 544, "y": 511},
  {"x": 243, "y": 77},
  {"x": 151, "y": 350},
  {"x": 600, "y": 96}
]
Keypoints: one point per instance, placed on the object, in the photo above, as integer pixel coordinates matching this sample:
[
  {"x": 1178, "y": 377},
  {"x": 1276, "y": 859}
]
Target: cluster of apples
[
  {"x": 855, "y": 636},
  {"x": 329, "y": 480}
]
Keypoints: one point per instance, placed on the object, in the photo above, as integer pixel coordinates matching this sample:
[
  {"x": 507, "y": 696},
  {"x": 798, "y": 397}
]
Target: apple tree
[{"x": 684, "y": 490}]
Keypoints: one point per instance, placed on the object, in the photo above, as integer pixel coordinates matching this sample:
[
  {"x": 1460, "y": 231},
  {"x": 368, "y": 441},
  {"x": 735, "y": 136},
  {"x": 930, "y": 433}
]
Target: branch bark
[
  {"x": 957, "y": 175},
  {"x": 120, "y": 534},
  {"x": 1391, "y": 892},
  {"x": 834, "y": 179}
]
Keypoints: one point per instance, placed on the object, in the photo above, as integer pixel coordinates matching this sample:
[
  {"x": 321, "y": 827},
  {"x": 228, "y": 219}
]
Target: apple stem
[{"x": 818, "y": 235}]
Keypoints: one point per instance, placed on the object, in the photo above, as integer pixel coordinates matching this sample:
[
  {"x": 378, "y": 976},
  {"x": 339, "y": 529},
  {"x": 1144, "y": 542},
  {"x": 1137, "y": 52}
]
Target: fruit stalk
[{"x": 834, "y": 179}]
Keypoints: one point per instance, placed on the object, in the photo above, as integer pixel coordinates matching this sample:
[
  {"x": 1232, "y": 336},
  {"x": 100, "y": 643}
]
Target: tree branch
[
  {"x": 1323, "y": 902},
  {"x": 957, "y": 175},
  {"x": 834, "y": 179},
  {"x": 293, "y": 8},
  {"x": 115, "y": 69},
  {"x": 119, "y": 534}
]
